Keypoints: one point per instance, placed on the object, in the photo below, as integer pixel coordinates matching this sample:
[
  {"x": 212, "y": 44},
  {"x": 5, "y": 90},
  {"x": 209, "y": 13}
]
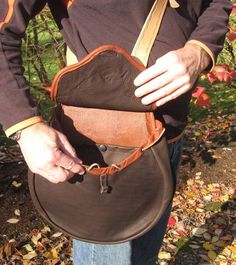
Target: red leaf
[
  {"x": 203, "y": 101},
  {"x": 221, "y": 68},
  {"x": 181, "y": 232},
  {"x": 233, "y": 10},
  {"x": 231, "y": 36},
  {"x": 198, "y": 91},
  {"x": 223, "y": 73},
  {"x": 211, "y": 77},
  {"x": 220, "y": 76},
  {"x": 171, "y": 222},
  {"x": 228, "y": 78}
]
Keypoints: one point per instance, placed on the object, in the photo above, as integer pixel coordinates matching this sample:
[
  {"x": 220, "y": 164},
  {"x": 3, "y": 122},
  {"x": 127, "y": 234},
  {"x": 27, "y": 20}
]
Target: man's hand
[
  {"x": 172, "y": 75},
  {"x": 48, "y": 153}
]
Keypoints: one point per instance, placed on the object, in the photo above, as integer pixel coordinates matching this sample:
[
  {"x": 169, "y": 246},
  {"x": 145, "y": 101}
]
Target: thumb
[{"x": 67, "y": 148}]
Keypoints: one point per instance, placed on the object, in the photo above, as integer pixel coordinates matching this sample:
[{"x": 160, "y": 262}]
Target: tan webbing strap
[
  {"x": 149, "y": 32},
  {"x": 70, "y": 57},
  {"x": 147, "y": 36}
]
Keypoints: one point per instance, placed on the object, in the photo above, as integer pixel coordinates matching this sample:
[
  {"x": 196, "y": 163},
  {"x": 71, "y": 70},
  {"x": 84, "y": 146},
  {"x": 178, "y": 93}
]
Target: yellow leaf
[
  {"x": 212, "y": 255},
  {"x": 30, "y": 255},
  {"x": 35, "y": 238},
  {"x": 46, "y": 229},
  {"x": 54, "y": 253},
  {"x": 224, "y": 198},
  {"x": 164, "y": 255},
  {"x": 233, "y": 249},
  {"x": 208, "y": 246},
  {"x": 28, "y": 247},
  {"x": 26, "y": 262}
]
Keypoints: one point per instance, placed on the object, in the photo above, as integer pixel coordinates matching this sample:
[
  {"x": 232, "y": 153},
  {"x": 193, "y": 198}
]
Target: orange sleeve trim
[
  {"x": 206, "y": 49},
  {"x": 67, "y": 3},
  {"x": 9, "y": 13},
  {"x": 23, "y": 124}
]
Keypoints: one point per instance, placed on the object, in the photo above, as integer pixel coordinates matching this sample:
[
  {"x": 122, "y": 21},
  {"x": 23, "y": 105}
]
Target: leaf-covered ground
[{"x": 202, "y": 226}]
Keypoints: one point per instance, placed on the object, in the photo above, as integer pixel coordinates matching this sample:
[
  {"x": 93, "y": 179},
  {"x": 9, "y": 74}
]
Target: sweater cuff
[
  {"x": 206, "y": 49},
  {"x": 23, "y": 124}
]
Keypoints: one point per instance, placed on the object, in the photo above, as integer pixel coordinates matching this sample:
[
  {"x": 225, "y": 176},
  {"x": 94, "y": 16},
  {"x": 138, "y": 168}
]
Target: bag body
[{"x": 128, "y": 182}]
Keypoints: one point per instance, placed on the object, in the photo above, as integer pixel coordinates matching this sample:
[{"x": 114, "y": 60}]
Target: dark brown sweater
[{"x": 87, "y": 24}]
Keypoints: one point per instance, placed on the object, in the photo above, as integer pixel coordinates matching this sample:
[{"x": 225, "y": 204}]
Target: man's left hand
[{"x": 172, "y": 75}]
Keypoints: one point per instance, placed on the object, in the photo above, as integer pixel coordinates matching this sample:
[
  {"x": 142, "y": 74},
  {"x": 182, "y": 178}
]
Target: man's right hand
[{"x": 48, "y": 153}]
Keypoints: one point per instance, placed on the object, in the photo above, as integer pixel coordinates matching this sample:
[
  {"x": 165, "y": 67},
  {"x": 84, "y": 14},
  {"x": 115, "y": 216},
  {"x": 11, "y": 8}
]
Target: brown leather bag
[{"x": 128, "y": 182}]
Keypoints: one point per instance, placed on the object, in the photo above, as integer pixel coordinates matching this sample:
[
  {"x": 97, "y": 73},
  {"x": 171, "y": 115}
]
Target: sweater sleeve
[
  {"x": 212, "y": 27},
  {"x": 16, "y": 104}
]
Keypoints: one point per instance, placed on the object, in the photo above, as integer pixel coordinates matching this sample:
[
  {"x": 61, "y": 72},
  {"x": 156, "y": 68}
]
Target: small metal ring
[{"x": 93, "y": 165}]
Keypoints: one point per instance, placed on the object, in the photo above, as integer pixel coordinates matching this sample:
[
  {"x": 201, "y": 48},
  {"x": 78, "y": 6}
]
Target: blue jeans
[{"x": 140, "y": 251}]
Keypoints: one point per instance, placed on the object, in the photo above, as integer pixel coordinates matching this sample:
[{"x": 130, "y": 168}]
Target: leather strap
[{"x": 148, "y": 34}]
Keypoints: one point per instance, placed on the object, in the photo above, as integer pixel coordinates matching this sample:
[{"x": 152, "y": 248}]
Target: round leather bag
[{"x": 128, "y": 183}]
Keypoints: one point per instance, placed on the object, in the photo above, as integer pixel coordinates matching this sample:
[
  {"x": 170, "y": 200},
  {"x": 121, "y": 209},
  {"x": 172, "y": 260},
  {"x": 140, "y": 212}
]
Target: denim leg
[
  {"x": 140, "y": 251},
  {"x": 96, "y": 254}
]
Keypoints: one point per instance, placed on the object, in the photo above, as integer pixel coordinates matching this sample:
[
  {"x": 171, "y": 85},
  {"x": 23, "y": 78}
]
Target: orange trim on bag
[
  {"x": 87, "y": 59},
  {"x": 9, "y": 13}
]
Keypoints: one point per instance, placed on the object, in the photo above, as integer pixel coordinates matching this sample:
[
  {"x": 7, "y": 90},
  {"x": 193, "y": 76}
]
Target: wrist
[
  {"x": 203, "y": 58},
  {"x": 33, "y": 128},
  {"x": 17, "y": 136}
]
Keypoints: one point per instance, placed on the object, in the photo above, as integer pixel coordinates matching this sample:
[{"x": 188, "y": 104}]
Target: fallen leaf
[
  {"x": 164, "y": 255},
  {"x": 28, "y": 247},
  {"x": 16, "y": 184},
  {"x": 212, "y": 255},
  {"x": 17, "y": 212},
  {"x": 30, "y": 255},
  {"x": 198, "y": 231},
  {"x": 57, "y": 234},
  {"x": 46, "y": 229},
  {"x": 218, "y": 232},
  {"x": 208, "y": 246},
  {"x": 13, "y": 221},
  {"x": 36, "y": 238}
]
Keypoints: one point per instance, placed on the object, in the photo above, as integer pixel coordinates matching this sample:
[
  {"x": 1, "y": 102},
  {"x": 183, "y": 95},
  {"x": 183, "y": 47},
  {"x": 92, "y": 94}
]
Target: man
[{"x": 190, "y": 38}]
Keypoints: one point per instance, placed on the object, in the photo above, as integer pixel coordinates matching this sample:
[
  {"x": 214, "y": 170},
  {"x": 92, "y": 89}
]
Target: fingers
[
  {"x": 68, "y": 163},
  {"x": 161, "y": 66},
  {"x": 65, "y": 146},
  {"x": 165, "y": 91},
  {"x": 172, "y": 96},
  {"x": 150, "y": 73},
  {"x": 156, "y": 83},
  {"x": 56, "y": 174},
  {"x": 52, "y": 156},
  {"x": 172, "y": 75}
]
